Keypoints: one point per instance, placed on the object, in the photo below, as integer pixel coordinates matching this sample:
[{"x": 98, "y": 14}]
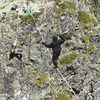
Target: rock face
[{"x": 35, "y": 78}]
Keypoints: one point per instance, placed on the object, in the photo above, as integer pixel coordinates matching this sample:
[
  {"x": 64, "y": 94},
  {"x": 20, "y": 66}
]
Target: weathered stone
[{"x": 35, "y": 78}]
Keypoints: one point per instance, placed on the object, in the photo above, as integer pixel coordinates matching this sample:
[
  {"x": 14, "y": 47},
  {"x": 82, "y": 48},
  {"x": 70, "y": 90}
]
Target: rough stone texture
[{"x": 35, "y": 78}]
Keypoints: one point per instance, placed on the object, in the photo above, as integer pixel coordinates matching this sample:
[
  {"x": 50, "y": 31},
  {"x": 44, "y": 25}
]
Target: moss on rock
[
  {"x": 57, "y": 96},
  {"x": 87, "y": 38},
  {"x": 58, "y": 10},
  {"x": 86, "y": 19},
  {"x": 63, "y": 6},
  {"x": 90, "y": 49},
  {"x": 69, "y": 13},
  {"x": 68, "y": 59},
  {"x": 37, "y": 78},
  {"x": 63, "y": 96},
  {"x": 39, "y": 82},
  {"x": 68, "y": 5},
  {"x": 29, "y": 18}
]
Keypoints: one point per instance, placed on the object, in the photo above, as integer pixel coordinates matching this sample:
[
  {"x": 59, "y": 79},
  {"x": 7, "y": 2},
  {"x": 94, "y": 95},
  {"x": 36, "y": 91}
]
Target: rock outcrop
[{"x": 35, "y": 78}]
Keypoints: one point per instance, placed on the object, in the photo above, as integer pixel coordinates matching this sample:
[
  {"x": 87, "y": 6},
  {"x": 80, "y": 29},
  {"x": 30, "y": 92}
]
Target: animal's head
[
  {"x": 13, "y": 47},
  {"x": 54, "y": 38}
]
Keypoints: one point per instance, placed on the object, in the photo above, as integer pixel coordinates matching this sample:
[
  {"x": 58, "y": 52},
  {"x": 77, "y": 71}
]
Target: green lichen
[
  {"x": 87, "y": 38},
  {"x": 37, "y": 78},
  {"x": 68, "y": 59},
  {"x": 63, "y": 96},
  {"x": 62, "y": 7},
  {"x": 31, "y": 70},
  {"x": 41, "y": 78},
  {"x": 29, "y": 18},
  {"x": 37, "y": 44},
  {"x": 68, "y": 5},
  {"x": 90, "y": 49},
  {"x": 39, "y": 82},
  {"x": 94, "y": 21},
  {"x": 32, "y": 73},
  {"x": 98, "y": 76},
  {"x": 22, "y": 47},
  {"x": 58, "y": 10},
  {"x": 83, "y": 16},
  {"x": 44, "y": 76},
  {"x": 56, "y": 25},
  {"x": 57, "y": 96},
  {"x": 86, "y": 19}
]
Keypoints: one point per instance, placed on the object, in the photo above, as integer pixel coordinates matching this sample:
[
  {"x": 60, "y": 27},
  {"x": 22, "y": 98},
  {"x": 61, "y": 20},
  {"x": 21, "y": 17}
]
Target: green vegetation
[
  {"x": 62, "y": 7},
  {"x": 57, "y": 96},
  {"x": 57, "y": 1},
  {"x": 44, "y": 76},
  {"x": 32, "y": 72},
  {"x": 29, "y": 18},
  {"x": 56, "y": 25},
  {"x": 58, "y": 10},
  {"x": 39, "y": 82},
  {"x": 41, "y": 79},
  {"x": 68, "y": 5},
  {"x": 90, "y": 49},
  {"x": 37, "y": 78},
  {"x": 69, "y": 13},
  {"x": 37, "y": 44},
  {"x": 63, "y": 96},
  {"x": 98, "y": 76},
  {"x": 87, "y": 38},
  {"x": 94, "y": 21},
  {"x": 86, "y": 19},
  {"x": 68, "y": 59}
]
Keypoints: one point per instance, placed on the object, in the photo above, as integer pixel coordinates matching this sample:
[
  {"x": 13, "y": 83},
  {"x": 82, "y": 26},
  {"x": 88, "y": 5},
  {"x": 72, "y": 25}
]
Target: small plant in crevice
[
  {"x": 87, "y": 38},
  {"x": 62, "y": 96},
  {"x": 61, "y": 7},
  {"x": 86, "y": 19},
  {"x": 57, "y": 96},
  {"x": 68, "y": 5},
  {"x": 68, "y": 59},
  {"x": 90, "y": 49},
  {"x": 29, "y": 18}
]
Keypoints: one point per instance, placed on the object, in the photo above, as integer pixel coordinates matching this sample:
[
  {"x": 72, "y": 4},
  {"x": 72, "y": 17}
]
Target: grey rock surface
[{"x": 35, "y": 78}]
